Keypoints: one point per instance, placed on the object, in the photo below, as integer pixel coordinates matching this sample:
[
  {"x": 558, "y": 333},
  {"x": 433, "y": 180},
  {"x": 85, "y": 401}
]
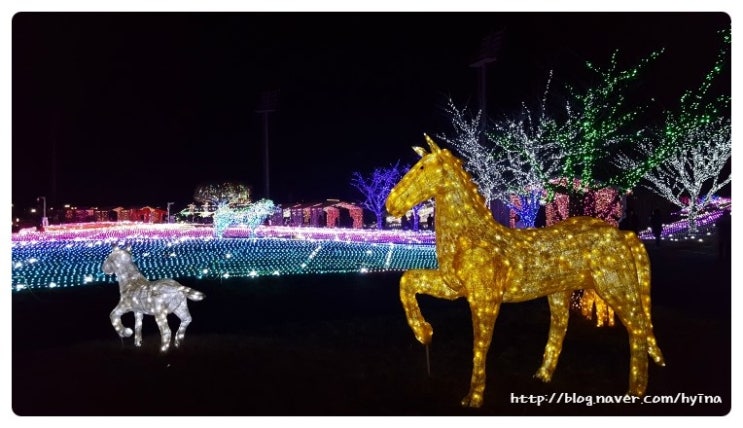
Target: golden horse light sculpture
[{"x": 489, "y": 264}]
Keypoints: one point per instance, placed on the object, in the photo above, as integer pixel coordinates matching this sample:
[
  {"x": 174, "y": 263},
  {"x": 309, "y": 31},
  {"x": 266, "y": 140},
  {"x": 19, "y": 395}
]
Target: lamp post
[
  {"x": 489, "y": 46},
  {"x": 269, "y": 103},
  {"x": 169, "y": 204},
  {"x": 44, "y": 219}
]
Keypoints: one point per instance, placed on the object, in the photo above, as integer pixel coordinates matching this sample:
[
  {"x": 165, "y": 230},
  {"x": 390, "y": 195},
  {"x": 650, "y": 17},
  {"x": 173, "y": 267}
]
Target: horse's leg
[
  {"x": 116, "y": 314},
  {"x": 420, "y": 281},
  {"x": 138, "y": 328},
  {"x": 185, "y": 316},
  {"x": 559, "y": 314},
  {"x": 485, "y": 294},
  {"x": 625, "y": 300},
  {"x": 162, "y": 323}
]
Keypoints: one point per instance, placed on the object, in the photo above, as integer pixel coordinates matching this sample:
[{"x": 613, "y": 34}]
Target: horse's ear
[
  {"x": 420, "y": 150},
  {"x": 431, "y": 144}
]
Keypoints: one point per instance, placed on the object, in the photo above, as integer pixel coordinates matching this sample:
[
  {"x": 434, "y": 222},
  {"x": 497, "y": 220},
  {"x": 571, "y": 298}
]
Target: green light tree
[
  {"x": 596, "y": 121},
  {"x": 696, "y": 111}
]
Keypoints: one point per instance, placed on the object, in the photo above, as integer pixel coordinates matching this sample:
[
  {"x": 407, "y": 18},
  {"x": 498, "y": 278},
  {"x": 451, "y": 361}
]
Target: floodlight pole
[
  {"x": 488, "y": 48},
  {"x": 268, "y": 104},
  {"x": 44, "y": 219}
]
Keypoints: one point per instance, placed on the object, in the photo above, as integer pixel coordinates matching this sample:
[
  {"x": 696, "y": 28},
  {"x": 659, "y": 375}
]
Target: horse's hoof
[
  {"x": 424, "y": 333},
  {"x": 128, "y": 332},
  {"x": 542, "y": 375},
  {"x": 472, "y": 399}
]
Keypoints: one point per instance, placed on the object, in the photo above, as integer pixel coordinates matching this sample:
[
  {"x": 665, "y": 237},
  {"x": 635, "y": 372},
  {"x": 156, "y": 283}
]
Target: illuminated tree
[
  {"x": 376, "y": 187},
  {"x": 479, "y": 159},
  {"x": 692, "y": 173},
  {"x": 531, "y": 158},
  {"x": 230, "y": 193},
  {"x": 696, "y": 111},
  {"x": 596, "y": 120},
  {"x": 516, "y": 161},
  {"x": 683, "y": 160}
]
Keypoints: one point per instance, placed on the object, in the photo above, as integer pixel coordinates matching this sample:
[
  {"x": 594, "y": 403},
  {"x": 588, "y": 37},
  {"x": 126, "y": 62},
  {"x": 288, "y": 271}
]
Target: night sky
[{"x": 139, "y": 108}]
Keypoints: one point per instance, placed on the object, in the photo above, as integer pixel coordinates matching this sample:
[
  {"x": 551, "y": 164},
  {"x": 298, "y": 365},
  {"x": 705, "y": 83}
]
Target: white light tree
[
  {"x": 479, "y": 159},
  {"x": 532, "y": 156},
  {"x": 376, "y": 187},
  {"x": 684, "y": 159},
  {"x": 519, "y": 157},
  {"x": 693, "y": 172}
]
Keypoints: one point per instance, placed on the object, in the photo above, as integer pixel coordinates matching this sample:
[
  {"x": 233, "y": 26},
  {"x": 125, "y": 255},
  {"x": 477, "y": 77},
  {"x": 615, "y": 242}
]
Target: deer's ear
[{"x": 420, "y": 150}]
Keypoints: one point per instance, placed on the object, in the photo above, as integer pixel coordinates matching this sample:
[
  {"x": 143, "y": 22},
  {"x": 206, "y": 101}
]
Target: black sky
[{"x": 139, "y": 108}]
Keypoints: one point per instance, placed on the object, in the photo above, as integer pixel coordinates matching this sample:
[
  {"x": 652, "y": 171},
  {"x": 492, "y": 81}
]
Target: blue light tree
[{"x": 376, "y": 187}]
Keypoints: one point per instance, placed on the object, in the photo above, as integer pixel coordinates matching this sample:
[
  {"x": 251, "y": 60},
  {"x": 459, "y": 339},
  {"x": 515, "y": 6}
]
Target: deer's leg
[
  {"x": 116, "y": 314},
  {"x": 138, "y": 328},
  {"x": 421, "y": 281},
  {"x": 162, "y": 323},
  {"x": 185, "y": 317},
  {"x": 559, "y": 314},
  {"x": 484, "y": 294}
]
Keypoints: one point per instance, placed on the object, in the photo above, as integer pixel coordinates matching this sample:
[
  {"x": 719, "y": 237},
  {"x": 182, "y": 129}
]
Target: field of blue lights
[{"x": 72, "y": 255}]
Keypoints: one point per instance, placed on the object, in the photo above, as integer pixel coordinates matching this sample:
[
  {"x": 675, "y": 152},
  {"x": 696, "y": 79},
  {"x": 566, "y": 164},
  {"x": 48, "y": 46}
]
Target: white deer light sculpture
[{"x": 141, "y": 296}]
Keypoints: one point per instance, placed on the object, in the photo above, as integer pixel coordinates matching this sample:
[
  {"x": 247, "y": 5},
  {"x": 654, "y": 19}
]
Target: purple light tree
[{"x": 376, "y": 187}]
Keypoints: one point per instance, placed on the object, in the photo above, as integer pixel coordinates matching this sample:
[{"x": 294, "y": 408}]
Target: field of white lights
[{"x": 71, "y": 255}]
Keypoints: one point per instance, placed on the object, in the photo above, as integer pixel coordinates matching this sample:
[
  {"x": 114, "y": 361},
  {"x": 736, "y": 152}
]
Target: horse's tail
[
  {"x": 642, "y": 266},
  {"x": 194, "y": 295},
  {"x": 189, "y": 292}
]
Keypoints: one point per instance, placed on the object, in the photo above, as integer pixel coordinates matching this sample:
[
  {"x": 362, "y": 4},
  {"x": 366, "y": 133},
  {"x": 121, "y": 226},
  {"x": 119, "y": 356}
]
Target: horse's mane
[{"x": 455, "y": 165}]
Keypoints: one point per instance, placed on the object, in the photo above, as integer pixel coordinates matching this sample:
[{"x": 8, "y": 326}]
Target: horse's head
[
  {"x": 422, "y": 180},
  {"x": 115, "y": 260}
]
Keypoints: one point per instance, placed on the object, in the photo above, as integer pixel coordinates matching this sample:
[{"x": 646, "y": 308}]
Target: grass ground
[{"x": 340, "y": 345}]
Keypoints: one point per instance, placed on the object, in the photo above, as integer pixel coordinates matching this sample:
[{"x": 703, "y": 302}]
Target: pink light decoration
[
  {"x": 123, "y": 231},
  {"x": 332, "y": 214},
  {"x": 606, "y": 205}
]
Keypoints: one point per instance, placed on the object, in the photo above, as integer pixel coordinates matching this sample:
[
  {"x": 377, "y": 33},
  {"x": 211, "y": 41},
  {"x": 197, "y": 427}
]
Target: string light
[
  {"x": 694, "y": 113},
  {"x": 250, "y": 216},
  {"x": 376, "y": 187},
  {"x": 489, "y": 264},
  {"x": 71, "y": 256},
  {"x": 144, "y": 297}
]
